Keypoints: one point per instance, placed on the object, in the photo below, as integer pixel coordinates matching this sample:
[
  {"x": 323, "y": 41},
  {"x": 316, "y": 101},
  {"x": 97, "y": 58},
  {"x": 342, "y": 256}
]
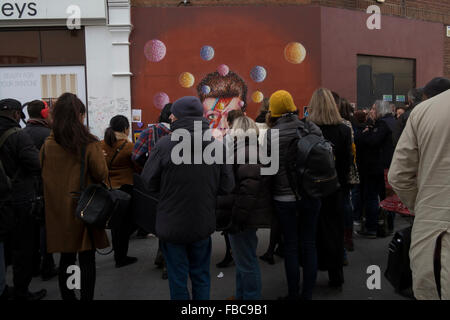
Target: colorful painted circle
[
  {"x": 155, "y": 50},
  {"x": 207, "y": 53},
  {"x": 294, "y": 53},
  {"x": 160, "y": 100},
  {"x": 206, "y": 89},
  {"x": 257, "y": 96},
  {"x": 223, "y": 70},
  {"x": 186, "y": 80},
  {"x": 258, "y": 74}
]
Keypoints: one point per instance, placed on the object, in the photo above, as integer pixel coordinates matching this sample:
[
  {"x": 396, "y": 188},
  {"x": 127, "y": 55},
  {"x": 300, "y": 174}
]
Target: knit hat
[
  {"x": 281, "y": 102},
  {"x": 187, "y": 107}
]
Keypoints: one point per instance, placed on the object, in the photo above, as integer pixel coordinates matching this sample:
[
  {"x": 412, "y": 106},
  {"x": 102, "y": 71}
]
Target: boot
[{"x": 348, "y": 239}]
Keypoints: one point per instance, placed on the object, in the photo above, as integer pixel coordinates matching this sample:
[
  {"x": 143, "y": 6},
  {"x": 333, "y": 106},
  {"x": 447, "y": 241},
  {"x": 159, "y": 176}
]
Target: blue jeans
[
  {"x": 299, "y": 221},
  {"x": 248, "y": 275},
  {"x": 188, "y": 260},
  {"x": 2, "y": 269}
]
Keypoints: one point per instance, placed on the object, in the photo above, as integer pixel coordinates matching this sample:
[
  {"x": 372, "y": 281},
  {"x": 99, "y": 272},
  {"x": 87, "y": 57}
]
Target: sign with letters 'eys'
[{"x": 50, "y": 9}]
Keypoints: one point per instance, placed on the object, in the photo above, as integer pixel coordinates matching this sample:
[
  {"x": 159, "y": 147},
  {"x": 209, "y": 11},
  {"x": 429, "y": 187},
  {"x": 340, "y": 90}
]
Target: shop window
[
  {"x": 42, "y": 46},
  {"x": 62, "y": 47},
  {"x": 19, "y": 47},
  {"x": 383, "y": 78}
]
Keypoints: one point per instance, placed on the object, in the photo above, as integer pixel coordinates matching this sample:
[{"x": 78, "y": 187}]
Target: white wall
[{"x": 108, "y": 68}]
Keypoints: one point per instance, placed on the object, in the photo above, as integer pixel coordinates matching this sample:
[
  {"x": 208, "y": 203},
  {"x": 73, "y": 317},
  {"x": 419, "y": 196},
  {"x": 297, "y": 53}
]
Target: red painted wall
[
  {"x": 243, "y": 37},
  {"x": 345, "y": 34}
]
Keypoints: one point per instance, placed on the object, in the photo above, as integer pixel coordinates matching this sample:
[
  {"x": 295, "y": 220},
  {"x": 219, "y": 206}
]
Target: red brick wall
[{"x": 429, "y": 10}]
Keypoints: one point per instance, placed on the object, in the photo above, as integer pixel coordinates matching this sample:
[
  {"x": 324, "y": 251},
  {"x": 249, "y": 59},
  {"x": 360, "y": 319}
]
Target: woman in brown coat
[
  {"x": 118, "y": 151},
  {"x": 61, "y": 165}
]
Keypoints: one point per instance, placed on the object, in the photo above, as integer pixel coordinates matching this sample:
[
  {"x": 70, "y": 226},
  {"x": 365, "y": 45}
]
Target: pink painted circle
[
  {"x": 155, "y": 50},
  {"x": 223, "y": 70},
  {"x": 160, "y": 100}
]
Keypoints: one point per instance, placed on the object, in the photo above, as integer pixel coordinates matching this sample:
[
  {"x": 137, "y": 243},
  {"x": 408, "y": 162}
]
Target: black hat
[
  {"x": 436, "y": 86},
  {"x": 11, "y": 104}
]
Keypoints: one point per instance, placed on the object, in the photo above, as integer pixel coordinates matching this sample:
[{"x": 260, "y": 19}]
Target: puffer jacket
[
  {"x": 250, "y": 203},
  {"x": 287, "y": 127}
]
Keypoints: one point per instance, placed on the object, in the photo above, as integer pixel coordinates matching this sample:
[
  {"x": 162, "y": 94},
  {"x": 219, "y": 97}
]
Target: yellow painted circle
[
  {"x": 257, "y": 96},
  {"x": 294, "y": 53},
  {"x": 186, "y": 80}
]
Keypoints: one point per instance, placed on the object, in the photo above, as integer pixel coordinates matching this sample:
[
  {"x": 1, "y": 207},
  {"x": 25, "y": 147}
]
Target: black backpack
[
  {"x": 5, "y": 180},
  {"x": 311, "y": 164}
]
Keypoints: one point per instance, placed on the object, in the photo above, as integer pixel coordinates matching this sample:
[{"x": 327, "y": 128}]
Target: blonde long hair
[
  {"x": 242, "y": 125},
  {"x": 323, "y": 108}
]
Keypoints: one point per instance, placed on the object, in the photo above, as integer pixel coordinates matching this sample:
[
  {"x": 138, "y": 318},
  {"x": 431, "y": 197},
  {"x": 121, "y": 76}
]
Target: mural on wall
[{"x": 231, "y": 58}]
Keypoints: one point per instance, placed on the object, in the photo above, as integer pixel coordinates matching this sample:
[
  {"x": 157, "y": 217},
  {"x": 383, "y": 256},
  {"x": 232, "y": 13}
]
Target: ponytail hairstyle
[
  {"x": 70, "y": 133},
  {"x": 117, "y": 124}
]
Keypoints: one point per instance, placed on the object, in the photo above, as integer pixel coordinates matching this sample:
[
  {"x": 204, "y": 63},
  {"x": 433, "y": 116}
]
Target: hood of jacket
[{"x": 7, "y": 123}]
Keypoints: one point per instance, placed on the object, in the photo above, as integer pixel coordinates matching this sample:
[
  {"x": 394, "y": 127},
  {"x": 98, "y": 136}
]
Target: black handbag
[
  {"x": 398, "y": 271},
  {"x": 97, "y": 202}
]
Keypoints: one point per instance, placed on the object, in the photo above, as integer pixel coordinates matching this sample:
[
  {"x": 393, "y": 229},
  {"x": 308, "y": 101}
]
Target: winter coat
[
  {"x": 419, "y": 174},
  {"x": 287, "y": 131},
  {"x": 378, "y": 147},
  {"x": 340, "y": 135},
  {"x": 250, "y": 203},
  {"x": 121, "y": 170},
  {"x": 20, "y": 156},
  {"x": 61, "y": 176},
  {"x": 187, "y": 192},
  {"x": 38, "y": 130},
  {"x": 20, "y": 160}
]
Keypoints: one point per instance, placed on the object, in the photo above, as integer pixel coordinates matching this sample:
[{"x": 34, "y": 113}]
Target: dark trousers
[
  {"x": 22, "y": 245},
  {"x": 191, "y": 260},
  {"x": 120, "y": 238},
  {"x": 298, "y": 222},
  {"x": 88, "y": 275},
  {"x": 275, "y": 236},
  {"x": 372, "y": 187},
  {"x": 330, "y": 238}
]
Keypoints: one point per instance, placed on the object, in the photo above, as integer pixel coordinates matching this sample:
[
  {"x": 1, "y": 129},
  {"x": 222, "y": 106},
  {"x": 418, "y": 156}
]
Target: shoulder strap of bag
[
  {"x": 112, "y": 160},
  {"x": 437, "y": 263},
  {"x": 116, "y": 154},
  {"x": 6, "y": 135}
]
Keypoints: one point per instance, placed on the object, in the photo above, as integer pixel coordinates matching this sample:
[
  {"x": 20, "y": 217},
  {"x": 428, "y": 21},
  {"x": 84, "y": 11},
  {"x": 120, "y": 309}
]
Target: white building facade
[{"x": 78, "y": 46}]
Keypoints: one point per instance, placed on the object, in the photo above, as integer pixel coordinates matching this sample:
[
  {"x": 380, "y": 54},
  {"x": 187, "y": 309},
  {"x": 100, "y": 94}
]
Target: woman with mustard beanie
[{"x": 298, "y": 217}]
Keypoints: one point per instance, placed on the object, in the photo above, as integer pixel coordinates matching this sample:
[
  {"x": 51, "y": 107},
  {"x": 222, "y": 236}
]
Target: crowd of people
[{"x": 44, "y": 165}]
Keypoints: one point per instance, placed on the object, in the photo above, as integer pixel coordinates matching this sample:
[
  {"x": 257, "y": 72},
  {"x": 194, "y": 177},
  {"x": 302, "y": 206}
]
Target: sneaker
[
  {"x": 367, "y": 234},
  {"x": 127, "y": 261}
]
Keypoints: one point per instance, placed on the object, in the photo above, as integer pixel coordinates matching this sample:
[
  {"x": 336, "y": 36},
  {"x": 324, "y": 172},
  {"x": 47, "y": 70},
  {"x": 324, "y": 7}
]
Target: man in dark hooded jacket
[
  {"x": 20, "y": 160},
  {"x": 188, "y": 191}
]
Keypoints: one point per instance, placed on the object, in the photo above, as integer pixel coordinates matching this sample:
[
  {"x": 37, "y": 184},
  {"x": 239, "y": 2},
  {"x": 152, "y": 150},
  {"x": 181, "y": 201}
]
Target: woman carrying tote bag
[{"x": 61, "y": 165}]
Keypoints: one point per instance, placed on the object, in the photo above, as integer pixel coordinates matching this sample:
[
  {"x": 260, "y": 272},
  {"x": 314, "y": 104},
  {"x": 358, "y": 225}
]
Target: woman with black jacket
[
  {"x": 248, "y": 208},
  {"x": 297, "y": 217},
  {"x": 330, "y": 233}
]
